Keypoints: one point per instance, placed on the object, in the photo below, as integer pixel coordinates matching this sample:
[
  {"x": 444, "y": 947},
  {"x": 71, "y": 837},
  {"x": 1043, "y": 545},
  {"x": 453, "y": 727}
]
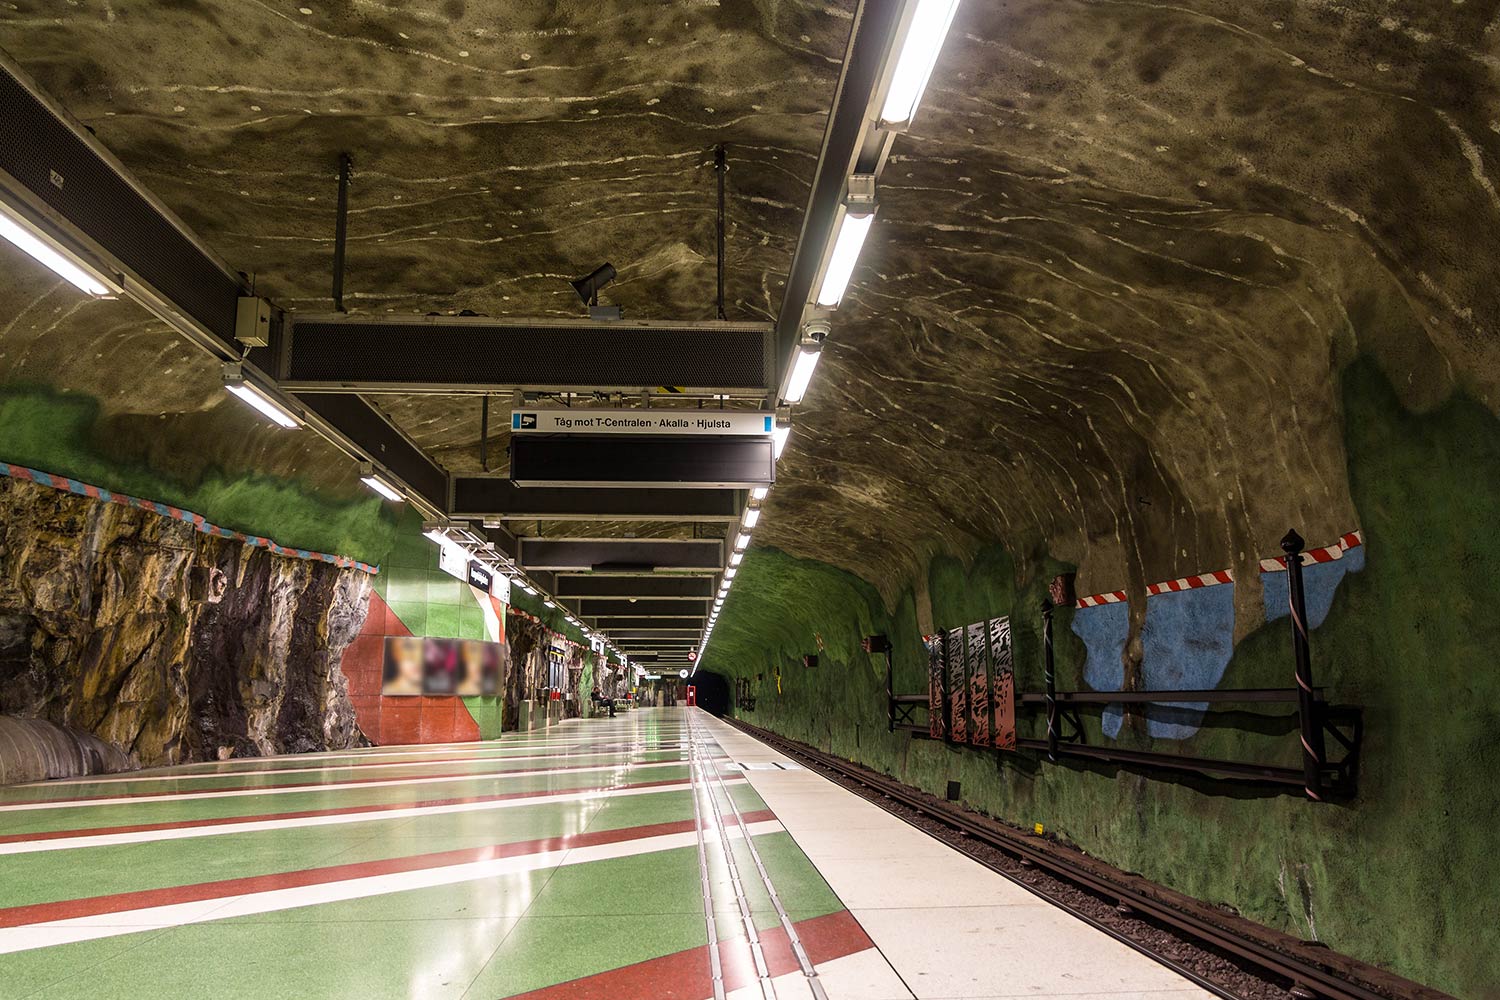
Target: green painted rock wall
[{"x": 1405, "y": 876}]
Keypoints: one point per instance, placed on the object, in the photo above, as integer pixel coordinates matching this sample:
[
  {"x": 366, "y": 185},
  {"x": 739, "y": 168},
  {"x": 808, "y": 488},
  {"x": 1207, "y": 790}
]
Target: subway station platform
[{"x": 661, "y": 854}]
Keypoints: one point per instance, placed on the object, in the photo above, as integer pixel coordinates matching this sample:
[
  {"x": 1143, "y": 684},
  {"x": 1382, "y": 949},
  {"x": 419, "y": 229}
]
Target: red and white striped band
[{"x": 1271, "y": 565}]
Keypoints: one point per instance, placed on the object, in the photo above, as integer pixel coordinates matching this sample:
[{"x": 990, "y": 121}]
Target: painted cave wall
[
  {"x": 136, "y": 626},
  {"x": 1407, "y": 631},
  {"x": 170, "y": 643}
]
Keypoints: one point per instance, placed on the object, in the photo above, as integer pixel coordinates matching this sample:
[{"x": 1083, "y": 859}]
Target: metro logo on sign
[{"x": 734, "y": 423}]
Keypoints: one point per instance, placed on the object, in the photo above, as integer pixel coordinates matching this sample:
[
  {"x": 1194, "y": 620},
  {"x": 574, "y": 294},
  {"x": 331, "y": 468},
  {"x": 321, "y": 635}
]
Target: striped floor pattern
[{"x": 624, "y": 858}]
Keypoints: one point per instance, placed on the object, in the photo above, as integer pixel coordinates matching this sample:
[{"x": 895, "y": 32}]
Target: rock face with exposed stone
[{"x": 110, "y": 623}]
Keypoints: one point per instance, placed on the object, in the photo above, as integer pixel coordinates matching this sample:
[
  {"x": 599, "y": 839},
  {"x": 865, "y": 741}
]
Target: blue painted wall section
[
  {"x": 1188, "y": 640},
  {"x": 1104, "y": 629},
  {"x": 1319, "y": 582}
]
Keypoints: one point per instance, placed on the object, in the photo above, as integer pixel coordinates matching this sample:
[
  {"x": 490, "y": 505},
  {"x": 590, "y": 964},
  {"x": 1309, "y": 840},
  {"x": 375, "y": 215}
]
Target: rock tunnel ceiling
[{"x": 1119, "y": 262}]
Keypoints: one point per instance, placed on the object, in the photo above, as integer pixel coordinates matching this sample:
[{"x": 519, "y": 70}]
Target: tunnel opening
[{"x": 713, "y": 692}]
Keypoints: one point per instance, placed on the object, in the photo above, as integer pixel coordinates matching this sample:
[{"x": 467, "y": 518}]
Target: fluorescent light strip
[
  {"x": 779, "y": 436},
  {"x": 802, "y": 373},
  {"x": 376, "y": 484},
  {"x": 42, "y": 253},
  {"x": 852, "y": 232},
  {"x": 743, "y": 540},
  {"x": 919, "y": 52},
  {"x": 263, "y": 403},
  {"x": 734, "y": 559},
  {"x": 760, "y": 492},
  {"x": 752, "y": 517}
]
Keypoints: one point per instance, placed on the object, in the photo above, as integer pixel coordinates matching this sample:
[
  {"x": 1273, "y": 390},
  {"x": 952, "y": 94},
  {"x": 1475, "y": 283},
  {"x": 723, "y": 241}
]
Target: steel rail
[{"x": 1312, "y": 969}]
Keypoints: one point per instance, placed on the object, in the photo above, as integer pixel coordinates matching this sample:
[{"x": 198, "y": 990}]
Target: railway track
[{"x": 1308, "y": 969}]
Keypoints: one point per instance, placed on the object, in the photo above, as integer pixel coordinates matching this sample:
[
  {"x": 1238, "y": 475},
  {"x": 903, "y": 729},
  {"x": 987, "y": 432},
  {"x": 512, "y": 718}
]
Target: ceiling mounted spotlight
[{"x": 588, "y": 288}]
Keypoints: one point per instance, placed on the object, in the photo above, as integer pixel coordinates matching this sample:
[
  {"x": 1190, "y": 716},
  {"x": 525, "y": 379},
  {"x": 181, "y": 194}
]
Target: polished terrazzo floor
[{"x": 599, "y": 859}]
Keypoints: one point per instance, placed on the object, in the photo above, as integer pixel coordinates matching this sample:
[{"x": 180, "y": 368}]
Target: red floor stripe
[
  {"x": 98, "y": 831},
  {"x": 685, "y": 975},
  {"x": 322, "y": 784},
  {"x": 34, "y": 913}
]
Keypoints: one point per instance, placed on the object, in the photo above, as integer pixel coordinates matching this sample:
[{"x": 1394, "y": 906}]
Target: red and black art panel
[
  {"x": 975, "y": 655},
  {"x": 937, "y": 688},
  {"x": 1002, "y": 683},
  {"x": 971, "y": 685},
  {"x": 958, "y": 686}
]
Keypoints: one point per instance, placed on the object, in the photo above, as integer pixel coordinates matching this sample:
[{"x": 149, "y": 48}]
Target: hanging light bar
[
  {"x": 850, "y": 227},
  {"x": 814, "y": 332},
  {"x": 918, "y": 51},
  {"x": 53, "y": 255},
  {"x": 779, "y": 435},
  {"x": 235, "y": 382},
  {"x": 368, "y": 476}
]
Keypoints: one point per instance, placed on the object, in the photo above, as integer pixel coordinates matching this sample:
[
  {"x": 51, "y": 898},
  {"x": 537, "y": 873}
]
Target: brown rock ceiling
[{"x": 1120, "y": 258}]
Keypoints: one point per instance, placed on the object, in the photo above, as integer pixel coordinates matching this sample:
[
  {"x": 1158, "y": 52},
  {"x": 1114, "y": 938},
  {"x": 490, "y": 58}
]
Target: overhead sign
[
  {"x": 481, "y": 577},
  {"x": 453, "y": 560},
  {"x": 664, "y": 421}
]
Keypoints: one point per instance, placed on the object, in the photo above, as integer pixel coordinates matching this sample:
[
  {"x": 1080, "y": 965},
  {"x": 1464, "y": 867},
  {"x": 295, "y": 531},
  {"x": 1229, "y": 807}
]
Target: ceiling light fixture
[
  {"x": 779, "y": 436},
  {"x": 53, "y": 255},
  {"x": 369, "y": 478},
  {"x": 752, "y": 517},
  {"x": 850, "y": 228},
  {"x": 919, "y": 50},
  {"x": 742, "y": 540},
  {"x": 760, "y": 492},
  {"x": 736, "y": 558},
  {"x": 802, "y": 373},
  {"x": 235, "y": 382},
  {"x": 729, "y": 573},
  {"x": 809, "y": 350}
]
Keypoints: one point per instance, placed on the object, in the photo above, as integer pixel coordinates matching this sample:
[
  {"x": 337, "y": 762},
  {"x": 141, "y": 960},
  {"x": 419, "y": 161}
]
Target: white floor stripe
[
  {"x": 332, "y": 787},
  {"x": 429, "y": 749},
  {"x": 13, "y": 939},
  {"x": 325, "y": 768},
  {"x": 255, "y": 826}
]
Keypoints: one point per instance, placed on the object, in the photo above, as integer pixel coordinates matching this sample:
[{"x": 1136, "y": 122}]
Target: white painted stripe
[
  {"x": 332, "y": 787},
  {"x": 255, "y": 826},
  {"x": 427, "y": 750},
  {"x": 56, "y": 932},
  {"x": 615, "y": 741},
  {"x": 324, "y": 769}
]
